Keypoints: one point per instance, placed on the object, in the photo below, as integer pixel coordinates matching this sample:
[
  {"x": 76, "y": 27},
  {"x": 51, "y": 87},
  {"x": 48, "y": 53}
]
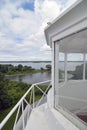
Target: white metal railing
[{"x": 24, "y": 107}]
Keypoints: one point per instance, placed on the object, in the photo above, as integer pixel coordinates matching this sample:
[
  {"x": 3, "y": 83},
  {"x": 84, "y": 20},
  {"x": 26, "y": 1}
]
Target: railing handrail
[
  {"x": 42, "y": 82},
  {"x": 19, "y": 103}
]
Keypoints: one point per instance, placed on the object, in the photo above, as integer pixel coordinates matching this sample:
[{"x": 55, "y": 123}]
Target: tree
[
  {"x": 48, "y": 67},
  {"x": 30, "y": 68},
  {"x": 5, "y": 99},
  {"x": 3, "y": 68},
  {"x": 41, "y": 68},
  {"x": 20, "y": 67},
  {"x": 1, "y": 77}
]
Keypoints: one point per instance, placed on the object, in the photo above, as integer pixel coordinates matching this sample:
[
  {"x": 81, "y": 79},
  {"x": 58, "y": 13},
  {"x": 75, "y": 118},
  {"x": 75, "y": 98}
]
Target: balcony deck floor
[{"x": 43, "y": 118}]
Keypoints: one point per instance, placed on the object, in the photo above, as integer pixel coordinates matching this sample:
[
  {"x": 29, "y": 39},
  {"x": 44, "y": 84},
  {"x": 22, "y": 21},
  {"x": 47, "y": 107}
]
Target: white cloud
[
  {"x": 47, "y": 9},
  {"x": 45, "y": 47},
  {"x": 22, "y": 31}
]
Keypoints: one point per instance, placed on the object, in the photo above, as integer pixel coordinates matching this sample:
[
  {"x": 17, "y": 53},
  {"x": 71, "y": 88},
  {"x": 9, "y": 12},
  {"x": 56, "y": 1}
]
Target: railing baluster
[
  {"x": 43, "y": 95},
  {"x": 16, "y": 117},
  {"x": 29, "y": 108},
  {"x": 40, "y": 89},
  {"x": 30, "y": 97}
]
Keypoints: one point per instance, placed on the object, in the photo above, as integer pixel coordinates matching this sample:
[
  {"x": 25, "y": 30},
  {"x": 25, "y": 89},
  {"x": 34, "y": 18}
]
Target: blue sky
[
  {"x": 22, "y": 24},
  {"x": 28, "y": 6}
]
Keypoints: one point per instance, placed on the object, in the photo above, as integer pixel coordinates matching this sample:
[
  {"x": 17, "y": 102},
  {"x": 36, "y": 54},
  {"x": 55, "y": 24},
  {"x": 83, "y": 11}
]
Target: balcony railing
[{"x": 26, "y": 104}]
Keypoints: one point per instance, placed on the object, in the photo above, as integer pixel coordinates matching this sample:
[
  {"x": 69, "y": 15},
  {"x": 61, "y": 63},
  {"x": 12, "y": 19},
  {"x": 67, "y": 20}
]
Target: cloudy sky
[{"x": 22, "y": 24}]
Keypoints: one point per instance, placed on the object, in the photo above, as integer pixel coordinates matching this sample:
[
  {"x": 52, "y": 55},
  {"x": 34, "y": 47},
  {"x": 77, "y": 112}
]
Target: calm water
[
  {"x": 39, "y": 77},
  {"x": 32, "y": 78}
]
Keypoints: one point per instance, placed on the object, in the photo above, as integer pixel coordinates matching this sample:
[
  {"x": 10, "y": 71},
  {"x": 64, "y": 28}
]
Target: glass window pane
[{"x": 75, "y": 66}]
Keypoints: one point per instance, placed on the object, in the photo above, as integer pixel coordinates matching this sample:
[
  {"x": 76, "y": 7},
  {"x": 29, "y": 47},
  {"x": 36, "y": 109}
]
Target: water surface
[{"x": 31, "y": 78}]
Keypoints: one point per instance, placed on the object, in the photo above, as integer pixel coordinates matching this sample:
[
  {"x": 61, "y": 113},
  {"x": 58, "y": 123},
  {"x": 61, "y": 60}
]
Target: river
[
  {"x": 31, "y": 78},
  {"x": 38, "y": 77}
]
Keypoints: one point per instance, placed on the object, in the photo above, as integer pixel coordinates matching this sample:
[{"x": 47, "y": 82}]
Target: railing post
[
  {"x": 33, "y": 96},
  {"x": 23, "y": 114}
]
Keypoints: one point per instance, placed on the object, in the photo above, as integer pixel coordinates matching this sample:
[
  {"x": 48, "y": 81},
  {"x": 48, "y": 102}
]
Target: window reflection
[{"x": 75, "y": 66}]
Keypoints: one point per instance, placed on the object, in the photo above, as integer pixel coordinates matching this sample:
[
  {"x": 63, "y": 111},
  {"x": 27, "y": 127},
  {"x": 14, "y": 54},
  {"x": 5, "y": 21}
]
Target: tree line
[{"x": 11, "y": 69}]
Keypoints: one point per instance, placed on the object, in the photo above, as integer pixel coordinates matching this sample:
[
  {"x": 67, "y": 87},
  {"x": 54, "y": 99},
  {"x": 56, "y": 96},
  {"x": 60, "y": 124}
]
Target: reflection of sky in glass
[
  {"x": 75, "y": 57},
  {"x": 72, "y": 57}
]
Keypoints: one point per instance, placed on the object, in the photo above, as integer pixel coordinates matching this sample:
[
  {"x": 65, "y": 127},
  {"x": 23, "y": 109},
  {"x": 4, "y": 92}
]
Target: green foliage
[
  {"x": 20, "y": 69},
  {"x": 10, "y": 123},
  {"x": 5, "y": 99},
  {"x": 48, "y": 67},
  {"x": 16, "y": 90},
  {"x": 10, "y": 92},
  {"x": 1, "y": 77},
  {"x": 42, "y": 69},
  {"x": 4, "y": 68}
]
